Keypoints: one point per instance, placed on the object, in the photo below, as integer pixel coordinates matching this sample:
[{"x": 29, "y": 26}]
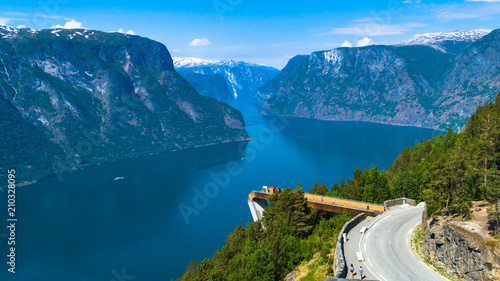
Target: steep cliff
[
  {"x": 458, "y": 247},
  {"x": 88, "y": 97},
  {"x": 210, "y": 85},
  {"x": 242, "y": 78},
  {"x": 266, "y": 91},
  {"x": 413, "y": 84}
]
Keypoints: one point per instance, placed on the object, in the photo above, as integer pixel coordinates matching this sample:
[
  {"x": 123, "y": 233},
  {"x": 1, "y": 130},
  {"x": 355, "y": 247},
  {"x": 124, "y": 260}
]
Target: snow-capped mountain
[
  {"x": 411, "y": 84},
  {"x": 242, "y": 78},
  {"x": 441, "y": 40},
  {"x": 191, "y": 62}
]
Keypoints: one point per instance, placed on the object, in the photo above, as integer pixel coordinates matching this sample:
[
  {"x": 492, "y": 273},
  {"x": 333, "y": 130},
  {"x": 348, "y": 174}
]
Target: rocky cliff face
[
  {"x": 267, "y": 90},
  {"x": 210, "y": 85},
  {"x": 454, "y": 247},
  {"x": 242, "y": 78},
  {"x": 82, "y": 97},
  {"x": 414, "y": 85}
]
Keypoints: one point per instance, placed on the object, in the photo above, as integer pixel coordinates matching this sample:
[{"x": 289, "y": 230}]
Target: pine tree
[{"x": 319, "y": 189}]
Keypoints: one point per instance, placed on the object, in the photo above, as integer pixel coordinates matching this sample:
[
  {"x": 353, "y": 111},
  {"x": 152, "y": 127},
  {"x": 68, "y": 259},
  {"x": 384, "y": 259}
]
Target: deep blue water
[{"x": 90, "y": 227}]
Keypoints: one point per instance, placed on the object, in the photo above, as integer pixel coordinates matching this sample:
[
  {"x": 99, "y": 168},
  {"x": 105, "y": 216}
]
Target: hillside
[
  {"x": 75, "y": 97},
  {"x": 448, "y": 172},
  {"x": 428, "y": 83},
  {"x": 242, "y": 78}
]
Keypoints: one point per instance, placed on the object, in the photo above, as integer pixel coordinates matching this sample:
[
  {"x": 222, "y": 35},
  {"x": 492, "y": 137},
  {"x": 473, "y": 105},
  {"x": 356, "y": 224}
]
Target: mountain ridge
[
  {"x": 97, "y": 97},
  {"x": 410, "y": 85},
  {"x": 242, "y": 78}
]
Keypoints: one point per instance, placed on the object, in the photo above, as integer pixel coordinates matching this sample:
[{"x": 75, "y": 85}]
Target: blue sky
[{"x": 267, "y": 32}]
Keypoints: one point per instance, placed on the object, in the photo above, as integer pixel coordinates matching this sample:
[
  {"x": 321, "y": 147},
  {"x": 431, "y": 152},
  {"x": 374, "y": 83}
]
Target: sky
[{"x": 266, "y": 32}]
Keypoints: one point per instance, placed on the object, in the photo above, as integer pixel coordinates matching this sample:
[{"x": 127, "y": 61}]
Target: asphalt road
[{"x": 387, "y": 251}]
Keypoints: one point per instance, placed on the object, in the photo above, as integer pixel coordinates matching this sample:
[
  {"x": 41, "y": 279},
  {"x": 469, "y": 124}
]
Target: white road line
[
  {"x": 369, "y": 262},
  {"x": 410, "y": 231},
  {"x": 365, "y": 236},
  {"x": 382, "y": 277}
]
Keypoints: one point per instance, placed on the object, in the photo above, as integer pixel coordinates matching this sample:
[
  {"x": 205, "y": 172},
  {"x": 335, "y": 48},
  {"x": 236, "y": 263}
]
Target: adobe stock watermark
[
  {"x": 220, "y": 180},
  {"x": 47, "y": 9},
  {"x": 380, "y": 19},
  {"x": 83, "y": 148},
  {"x": 224, "y": 6},
  {"x": 90, "y": 139},
  {"x": 121, "y": 276}
]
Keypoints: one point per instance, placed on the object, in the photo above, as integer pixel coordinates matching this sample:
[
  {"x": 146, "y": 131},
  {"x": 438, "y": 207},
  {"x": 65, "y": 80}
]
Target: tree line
[{"x": 448, "y": 172}]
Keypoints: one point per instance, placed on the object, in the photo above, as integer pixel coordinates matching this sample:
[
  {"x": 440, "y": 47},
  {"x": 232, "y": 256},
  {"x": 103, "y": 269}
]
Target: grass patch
[
  {"x": 314, "y": 269},
  {"x": 417, "y": 246}
]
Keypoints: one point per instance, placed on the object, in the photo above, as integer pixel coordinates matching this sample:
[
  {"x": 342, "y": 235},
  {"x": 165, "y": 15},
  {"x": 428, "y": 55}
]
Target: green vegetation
[
  {"x": 447, "y": 172},
  {"x": 87, "y": 109},
  {"x": 26, "y": 146},
  {"x": 417, "y": 244},
  {"x": 289, "y": 234}
]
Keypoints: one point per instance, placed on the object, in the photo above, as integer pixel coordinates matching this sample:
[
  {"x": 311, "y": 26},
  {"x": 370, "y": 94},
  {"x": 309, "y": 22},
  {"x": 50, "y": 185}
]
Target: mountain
[
  {"x": 454, "y": 41},
  {"x": 412, "y": 85},
  {"x": 265, "y": 92},
  {"x": 243, "y": 78},
  {"x": 73, "y": 98},
  {"x": 210, "y": 85}
]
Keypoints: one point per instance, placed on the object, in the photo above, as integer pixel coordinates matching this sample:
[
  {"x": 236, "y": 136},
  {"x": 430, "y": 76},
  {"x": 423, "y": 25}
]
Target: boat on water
[{"x": 118, "y": 178}]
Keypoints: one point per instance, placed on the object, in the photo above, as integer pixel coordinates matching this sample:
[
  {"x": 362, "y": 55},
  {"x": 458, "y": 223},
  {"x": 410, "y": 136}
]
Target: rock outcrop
[{"x": 455, "y": 247}]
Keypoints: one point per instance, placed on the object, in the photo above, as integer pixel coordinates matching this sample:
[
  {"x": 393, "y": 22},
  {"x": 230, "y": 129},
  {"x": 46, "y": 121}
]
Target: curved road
[{"x": 387, "y": 252}]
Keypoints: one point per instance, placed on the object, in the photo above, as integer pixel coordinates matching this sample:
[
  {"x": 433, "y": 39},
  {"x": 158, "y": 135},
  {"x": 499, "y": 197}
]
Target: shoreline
[
  {"x": 363, "y": 121},
  {"x": 28, "y": 183}
]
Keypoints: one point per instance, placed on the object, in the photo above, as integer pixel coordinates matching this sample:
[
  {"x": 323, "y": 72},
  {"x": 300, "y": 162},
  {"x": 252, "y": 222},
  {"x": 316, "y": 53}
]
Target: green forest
[
  {"x": 289, "y": 233},
  {"x": 447, "y": 172}
]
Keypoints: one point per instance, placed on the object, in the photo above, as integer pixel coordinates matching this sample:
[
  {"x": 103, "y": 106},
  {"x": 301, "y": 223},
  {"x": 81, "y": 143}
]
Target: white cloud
[
  {"x": 462, "y": 12},
  {"x": 490, "y": 1},
  {"x": 375, "y": 29},
  {"x": 21, "y": 26},
  {"x": 15, "y": 14},
  {"x": 130, "y": 32},
  {"x": 364, "y": 42},
  {"x": 347, "y": 44},
  {"x": 4, "y": 21},
  {"x": 70, "y": 25},
  {"x": 200, "y": 42},
  {"x": 175, "y": 50},
  {"x": 52, "y": 17}
]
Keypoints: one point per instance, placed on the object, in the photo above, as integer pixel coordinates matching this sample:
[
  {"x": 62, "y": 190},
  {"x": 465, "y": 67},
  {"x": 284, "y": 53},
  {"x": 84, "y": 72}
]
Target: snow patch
[
  {"x": 44, "y": 120},
  {"x": 72, "y": 109},
  {"x": 191, "y": 62},
  {"x": 194, "y": 62},
  {"x": 333, "y": 56},
  {"x": 434, "y": 39},
  {"x": 230, "y": 77}
]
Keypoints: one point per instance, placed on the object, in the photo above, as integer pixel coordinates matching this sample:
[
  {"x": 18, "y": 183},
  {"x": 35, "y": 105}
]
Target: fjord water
[{"x": 85, "y": 225}]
